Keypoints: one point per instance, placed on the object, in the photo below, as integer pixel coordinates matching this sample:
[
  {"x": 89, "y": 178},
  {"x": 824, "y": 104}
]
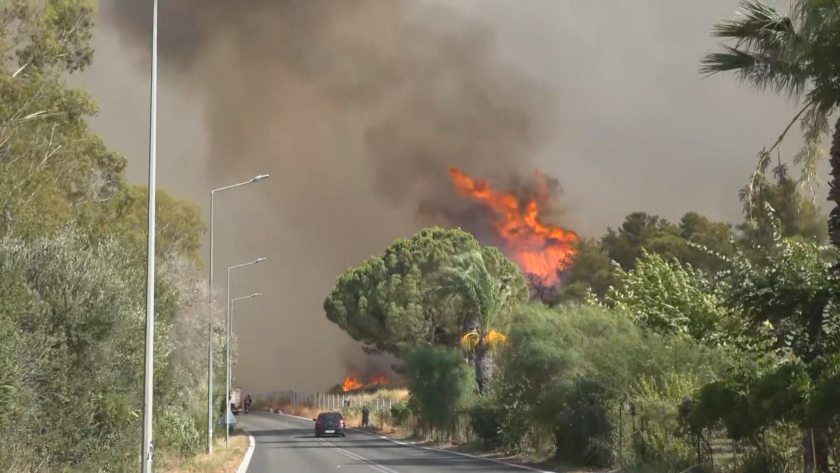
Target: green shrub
[
  {"x": 484, "y": 421},
  {"x": 70, "y": 314},
  {"x": 583, "y": 431},
  {"x": 664, "y": 443},
  {"x": 566, "y": 372},
  {"x": 400, "y": 413},
  {"x": 178, "y": 431},
  {"x": 764, "y": 462},
  {"x": 440, "y": 386}
]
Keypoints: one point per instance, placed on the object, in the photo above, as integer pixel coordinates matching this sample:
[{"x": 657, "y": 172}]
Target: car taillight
[
  {"x": 319, "y": 423},
  {"x": 341, "y": 423}
]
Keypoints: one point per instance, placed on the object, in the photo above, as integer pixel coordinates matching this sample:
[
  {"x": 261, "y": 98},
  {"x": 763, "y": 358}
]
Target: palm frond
[
  {"x": 768, "y": 51},
  {"x": 814, "y": 125},
  {"x": 495, "y": 338},
  {"x": 758, "y": 70},
  {"x": 812, "y": 16},
  {"x": 470, "y": 341},
  {"x": 483, "y": 293},
  {"x": 758, "y": 27}
]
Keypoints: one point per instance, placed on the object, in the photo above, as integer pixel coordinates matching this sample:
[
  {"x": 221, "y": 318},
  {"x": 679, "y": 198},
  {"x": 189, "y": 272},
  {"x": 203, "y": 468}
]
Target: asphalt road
[{"x": 288, "y": 444}]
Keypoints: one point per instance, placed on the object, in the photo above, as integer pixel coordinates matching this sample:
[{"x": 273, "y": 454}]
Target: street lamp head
[
  {"x": 256, "y": 294},
  {"x": 259, "y": 260},
  {"x": 259, "y": 178}
]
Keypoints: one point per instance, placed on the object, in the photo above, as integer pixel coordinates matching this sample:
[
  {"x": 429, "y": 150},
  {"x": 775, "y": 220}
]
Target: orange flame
[
  {"x": 351, "y": 383},
  {"x": 536, "y": 247}
]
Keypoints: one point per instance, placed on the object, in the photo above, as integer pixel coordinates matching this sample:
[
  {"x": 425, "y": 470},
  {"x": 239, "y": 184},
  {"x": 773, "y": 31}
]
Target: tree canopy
[
  {"x": 671, "y": 299},
  {"x": 387, "y": 302},
  {"x": 72, "y": 245}
]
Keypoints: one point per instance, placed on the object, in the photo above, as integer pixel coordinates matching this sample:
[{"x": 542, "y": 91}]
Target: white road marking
[
  {"x": 243, "y": 467},
  {"x": 438, "y": 450},
  {"x": 360, "y": 458}
]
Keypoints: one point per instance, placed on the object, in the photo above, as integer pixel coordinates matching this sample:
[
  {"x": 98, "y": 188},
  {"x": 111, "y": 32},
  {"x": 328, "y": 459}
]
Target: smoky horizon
[{"x": 360, "y": 110}]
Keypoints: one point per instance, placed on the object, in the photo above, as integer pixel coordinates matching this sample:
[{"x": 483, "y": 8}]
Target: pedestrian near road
[{"x": 365, "y": 416}]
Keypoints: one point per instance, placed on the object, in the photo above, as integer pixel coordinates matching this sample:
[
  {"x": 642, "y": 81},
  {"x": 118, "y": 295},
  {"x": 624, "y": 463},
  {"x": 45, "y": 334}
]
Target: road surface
[{"x": 288, "y": 444}]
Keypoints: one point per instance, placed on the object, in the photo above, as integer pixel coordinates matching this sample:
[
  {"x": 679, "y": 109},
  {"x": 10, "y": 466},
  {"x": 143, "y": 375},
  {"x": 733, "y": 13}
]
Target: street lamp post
[
  {"x": 256, "y": 294},
  {"x": 232, "y": 301},
  {"x": 227, "y": 347},
  {"x": 210, "y": 312},
  {"x": 149, "y": 375}
]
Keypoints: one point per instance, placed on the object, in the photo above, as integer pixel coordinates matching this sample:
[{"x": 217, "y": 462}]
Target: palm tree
[
  {"x": 797, "y": 55},
  {"x": 486, "y": 297}
]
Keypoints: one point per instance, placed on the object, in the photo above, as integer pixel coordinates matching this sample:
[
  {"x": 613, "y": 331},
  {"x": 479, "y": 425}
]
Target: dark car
[{"x": 329, "y": 423}]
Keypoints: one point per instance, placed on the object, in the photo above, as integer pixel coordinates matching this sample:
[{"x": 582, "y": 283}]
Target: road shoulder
[
  {"x": 437, "y": 448},
  {"x": 246, "y": 460}
]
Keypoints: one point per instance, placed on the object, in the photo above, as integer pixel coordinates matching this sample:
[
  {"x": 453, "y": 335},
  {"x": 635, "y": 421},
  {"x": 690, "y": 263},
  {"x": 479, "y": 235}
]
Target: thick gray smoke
[{"x": 357, "y": 109}]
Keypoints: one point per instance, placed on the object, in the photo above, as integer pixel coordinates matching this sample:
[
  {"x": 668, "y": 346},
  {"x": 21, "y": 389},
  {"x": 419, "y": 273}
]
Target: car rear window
[{"x": 330, "y": 416}]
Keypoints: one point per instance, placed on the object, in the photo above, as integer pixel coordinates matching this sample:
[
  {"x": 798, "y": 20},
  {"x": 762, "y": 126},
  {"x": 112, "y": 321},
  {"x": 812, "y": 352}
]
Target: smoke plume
[{"x": 357, "y": 109}]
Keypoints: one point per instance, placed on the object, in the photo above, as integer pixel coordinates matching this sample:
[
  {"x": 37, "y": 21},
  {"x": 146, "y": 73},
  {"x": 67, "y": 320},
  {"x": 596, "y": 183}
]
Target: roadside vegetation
[
  {"x": 667, "y": 347},
  {"x": 72, "y": 272},
  {"x": 223, "y": 460}
]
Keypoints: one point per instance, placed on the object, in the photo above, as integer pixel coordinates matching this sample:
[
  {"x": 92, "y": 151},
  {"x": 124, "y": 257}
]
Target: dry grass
[
  {"x": 300, "y": 411},
  {"x": 379, "y": 421},
  {"x": 222, "y": 461}
]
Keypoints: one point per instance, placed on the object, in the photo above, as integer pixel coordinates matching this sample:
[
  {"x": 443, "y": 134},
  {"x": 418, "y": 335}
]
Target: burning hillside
[
  {"x": 375, "y": 372},
  {"x": 537, "y": 247},
  {"x": 352, "y": 383}
]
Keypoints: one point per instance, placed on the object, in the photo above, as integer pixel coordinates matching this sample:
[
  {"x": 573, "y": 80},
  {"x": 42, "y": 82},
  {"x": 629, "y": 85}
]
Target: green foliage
[
  {"x": 663, "y": 443},
  {"x": 179, "y": 224},
  {"x": 45, "y": 35},
  {"x": 778, "y": 208},
  {"x": 567, "y": 371},
  {"x": 440, "y": 385},
  {"x": 72, "y": 253},
  {"x": 73, "y": 384},
  {"x": 789, "y": 295},
  {"x": 643, "y": 233},
  {"x": 590, "y": 271},
  {"x": 52, "y": 168},
  {"x": 487, "y": 285},
  {"x": 484, "y": 420},
  {"x": 639, "y": 231},
  {"x": 583, "y": 429},
  {"x": 673, "y": 300},
  {"x": 484, "y": 291},
  {"x": 400, "y": 412},
  {"x": 387, "y": 302}
]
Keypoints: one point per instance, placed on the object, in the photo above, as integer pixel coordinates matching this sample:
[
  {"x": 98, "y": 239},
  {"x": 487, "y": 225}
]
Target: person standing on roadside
[{"x": 365, "y": 416}]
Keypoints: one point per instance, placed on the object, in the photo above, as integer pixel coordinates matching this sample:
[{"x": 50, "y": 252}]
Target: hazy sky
[{"x": 623, "y": 119}]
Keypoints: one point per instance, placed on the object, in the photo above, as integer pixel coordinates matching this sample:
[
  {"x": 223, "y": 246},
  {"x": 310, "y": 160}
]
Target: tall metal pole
[
  {"x": 230, "y": 328},
  {"x": 148, "y": 384},
  {"x": 227, "y": 363},
  {"x": 227, "y": 348},
  {"x": 230, "y": 331},
  {"x": 254, "y": 179},
  {"x": 210, "y": 338}
]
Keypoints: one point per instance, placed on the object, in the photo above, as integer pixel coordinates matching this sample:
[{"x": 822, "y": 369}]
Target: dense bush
[
  {"x": 441, "y": 386},
  {"x": 575, "y": 371},
  {"x": 72, "y": 319},
  {"x": 400, "y": 412},
  {"x": 484, "y": 420}
]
